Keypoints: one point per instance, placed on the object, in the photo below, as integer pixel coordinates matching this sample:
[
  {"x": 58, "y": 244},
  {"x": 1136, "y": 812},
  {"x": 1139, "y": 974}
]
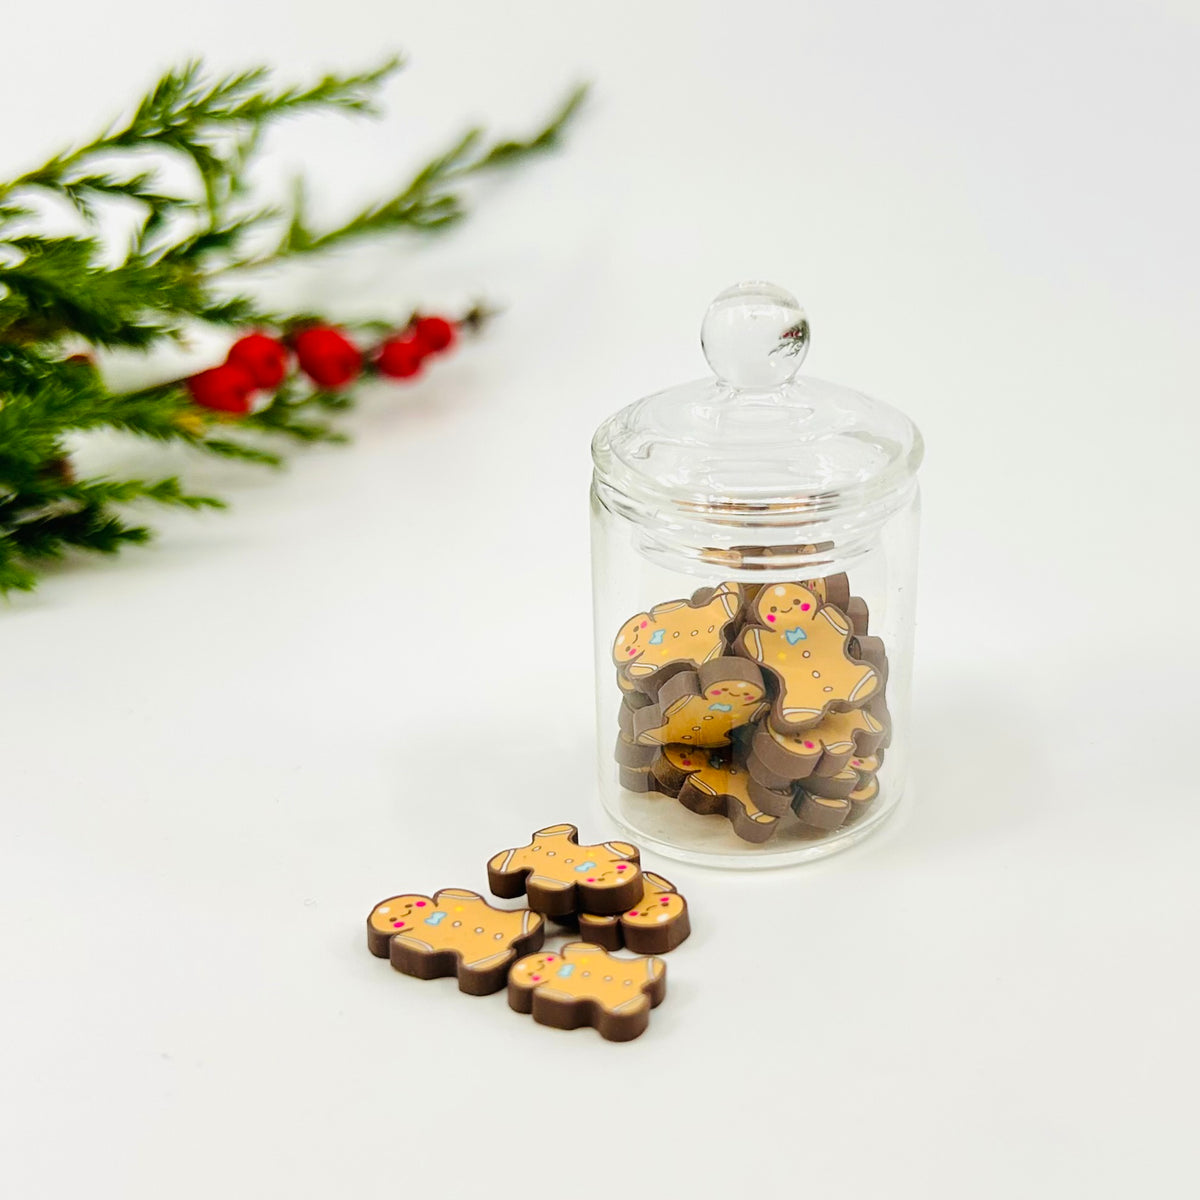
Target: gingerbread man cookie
[
  {"x": 717, "y": 781},
  {"x": 678, "y": 634},
  {"x": 802, "y": 642},
  {"x": 702, "y": 708},
  {"x": 453, "y": 932},
  {"x": 858, "y": 615},
  {"x": 862, "y": 798},
  {"x": 560, "y": 876},
  {"x": 827, "y": 801},
  {"x": 832, "y": 589},
  {"x": 584, "y": 985},
  {"x": 656, "y": 924},
  {"x": 629, "y": 753},
  {"x": 778, "y": 759},
  {"x": 845, "y": 781}
]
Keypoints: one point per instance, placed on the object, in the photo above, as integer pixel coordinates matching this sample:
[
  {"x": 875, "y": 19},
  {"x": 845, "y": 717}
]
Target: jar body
[{"x": 777, "y": 780}]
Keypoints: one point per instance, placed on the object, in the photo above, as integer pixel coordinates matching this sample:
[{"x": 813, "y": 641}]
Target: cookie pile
[
  {"x": 762, "y": 703},
  {"x": 600, "y": 890}
]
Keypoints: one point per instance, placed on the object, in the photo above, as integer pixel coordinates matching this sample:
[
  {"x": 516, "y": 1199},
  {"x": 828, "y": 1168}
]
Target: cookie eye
[{"x": 772, "y": 609}]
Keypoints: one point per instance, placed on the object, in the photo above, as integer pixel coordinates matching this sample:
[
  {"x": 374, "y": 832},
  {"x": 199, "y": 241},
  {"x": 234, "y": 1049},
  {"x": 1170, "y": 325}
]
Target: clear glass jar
[{"x": 754, "y": 551}]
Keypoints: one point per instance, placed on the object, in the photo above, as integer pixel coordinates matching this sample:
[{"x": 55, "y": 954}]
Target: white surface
[{"x": 221, "y": 752}]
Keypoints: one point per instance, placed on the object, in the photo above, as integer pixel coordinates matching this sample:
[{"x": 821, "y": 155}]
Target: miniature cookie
[
  {"x": 716, "y": 781},
  {"x": 678, "y": 633},
  {"x": 656, "y": 924},
  {"x": 585, "y": 985},
  {"x": 629, "y": 753},
  {"x": 454, "y": 932},
  {"x": 701, "y": 708},
  {"x": 778, "y": 759},
  {"x": 802, "y": 642},
  {"x": 831, "y": 589},
  {"x": 637, "y": 779},
  {"x": 845, "y": 781},
  {"x": 631, "y": 695},
  {"x": 561, "y": 876},
  {"x": 862, "y": 798},
  {"x": 828, "y": 802},
  {"x": 858, "y": 615}
]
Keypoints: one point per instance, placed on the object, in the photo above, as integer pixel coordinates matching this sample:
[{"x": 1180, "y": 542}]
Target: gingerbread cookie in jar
[{"x": 754, "y": 548}]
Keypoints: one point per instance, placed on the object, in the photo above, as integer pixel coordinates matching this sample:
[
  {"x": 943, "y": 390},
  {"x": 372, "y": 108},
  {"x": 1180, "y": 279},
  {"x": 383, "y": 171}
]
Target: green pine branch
[{"x": 61, "y": 291}]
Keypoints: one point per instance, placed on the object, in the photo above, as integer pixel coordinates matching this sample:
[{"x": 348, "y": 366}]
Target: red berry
[
  {"x": 435, "y": 334},
  {"x": 264, "y": 357},
  {"x": 226, "y": 388},
  {"x": 327, "y": 356},
  {"x": 400, "y": 358}
]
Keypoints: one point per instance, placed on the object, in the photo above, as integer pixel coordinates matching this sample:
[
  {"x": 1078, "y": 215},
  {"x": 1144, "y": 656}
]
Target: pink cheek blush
[
  {"x": 620, "y": 867},
  {"x": 805, "y": 607},
  {"x": 770, "y": 616},
  {"x": 643, "y": 624},
  {"x": 591, "y": 881},
  {"x": 420, "y": 903},
  {"x": 536, "y": 978},
  {"x": 397, "y": 924}
]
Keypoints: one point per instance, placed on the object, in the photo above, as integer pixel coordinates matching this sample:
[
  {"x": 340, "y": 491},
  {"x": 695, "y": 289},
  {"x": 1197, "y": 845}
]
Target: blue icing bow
[
  {"x": 795, "y": 635},
  {"x": 721, "y": 707},
  {"x": 657, "y": 636},
  {"x": 435, "y": 918},
  {"x": 565, "y": 970},
  {"x": 587, "y": 866}
]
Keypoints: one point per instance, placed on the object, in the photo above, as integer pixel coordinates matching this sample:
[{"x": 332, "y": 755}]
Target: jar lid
[{"x": 756, "y": 443}]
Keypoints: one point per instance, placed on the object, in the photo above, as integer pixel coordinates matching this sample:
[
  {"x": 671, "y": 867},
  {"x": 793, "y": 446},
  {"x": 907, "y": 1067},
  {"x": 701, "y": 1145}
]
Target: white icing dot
[
  {"x": 385, "y": 909},
  {"x": 455, "y": 924},
  {"x": 781, "y": 591},
  {"x": 478, "y": 928},
  {"x": 620, "y": 639}
]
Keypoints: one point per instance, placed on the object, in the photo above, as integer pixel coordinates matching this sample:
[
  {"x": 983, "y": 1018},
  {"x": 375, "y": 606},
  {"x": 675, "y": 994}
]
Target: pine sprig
[
  {"x": 102, "y": 289},
  {"x": 427, "y": 202}
]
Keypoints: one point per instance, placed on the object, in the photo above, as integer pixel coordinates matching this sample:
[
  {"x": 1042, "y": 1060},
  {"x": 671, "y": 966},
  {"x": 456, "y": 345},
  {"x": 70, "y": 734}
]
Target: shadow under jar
[{"x": 754, "y": 552}]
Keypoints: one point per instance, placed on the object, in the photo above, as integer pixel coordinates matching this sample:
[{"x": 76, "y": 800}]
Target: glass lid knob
[{"x": 755, "y": 336}]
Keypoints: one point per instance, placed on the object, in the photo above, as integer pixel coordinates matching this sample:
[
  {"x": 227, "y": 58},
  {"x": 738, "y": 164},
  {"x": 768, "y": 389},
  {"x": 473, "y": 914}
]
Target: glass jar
[{"x": 754, "y": 552}]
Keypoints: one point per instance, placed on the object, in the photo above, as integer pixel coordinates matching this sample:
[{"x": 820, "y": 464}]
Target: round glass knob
[{"x": 755, "y": 336}]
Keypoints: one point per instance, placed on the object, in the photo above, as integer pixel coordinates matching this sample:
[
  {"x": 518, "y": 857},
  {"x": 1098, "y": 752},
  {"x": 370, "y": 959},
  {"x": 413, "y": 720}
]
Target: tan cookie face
[
  {"x": 584, "y": 973},
  {"x": 454, "y": 919},
  {"x": 561, "y": 876},
  {"x": 825, "y": 749},
  {"x": 454, "y": 932},
  {"x": 675, "y": 631},
  {"x": 714, "y": 774},
  {"x": 804, "y": 644},
  {"x": 655, "y": 924},
  {"x": 706, "y": 718},
  {"x": 836, "y": 735}
]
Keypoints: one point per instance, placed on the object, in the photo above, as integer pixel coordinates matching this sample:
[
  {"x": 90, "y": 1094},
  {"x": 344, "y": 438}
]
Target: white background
[{"x": 220, "y": 752}]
